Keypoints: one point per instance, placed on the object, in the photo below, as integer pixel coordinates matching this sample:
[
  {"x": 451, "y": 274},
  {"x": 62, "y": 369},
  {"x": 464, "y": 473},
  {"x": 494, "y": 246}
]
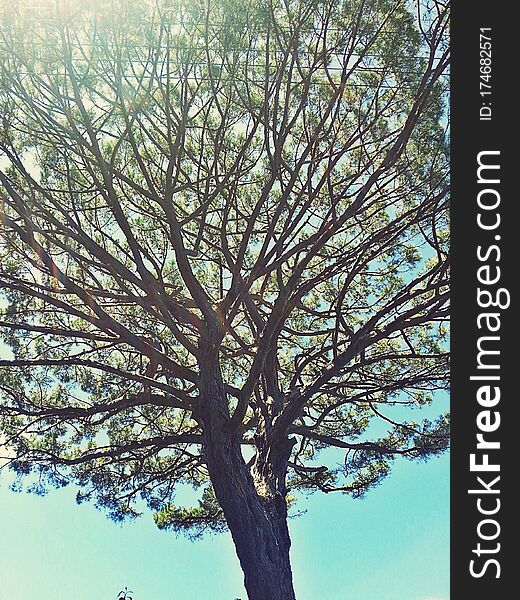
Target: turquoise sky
[{"x": 394, "y": 545}]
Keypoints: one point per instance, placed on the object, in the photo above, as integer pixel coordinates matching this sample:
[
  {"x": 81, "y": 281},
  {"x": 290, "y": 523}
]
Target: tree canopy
[{"x": 224, "y": 224}]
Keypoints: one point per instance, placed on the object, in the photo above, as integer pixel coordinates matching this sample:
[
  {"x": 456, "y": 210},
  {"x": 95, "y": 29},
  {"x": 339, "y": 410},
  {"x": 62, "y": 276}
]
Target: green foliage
[
  {"x": 193, "y": 522},
  {"x": 271, "y": 177}
]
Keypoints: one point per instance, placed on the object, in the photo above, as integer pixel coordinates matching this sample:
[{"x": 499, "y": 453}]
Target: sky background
[{"x": 393, "y": 545}]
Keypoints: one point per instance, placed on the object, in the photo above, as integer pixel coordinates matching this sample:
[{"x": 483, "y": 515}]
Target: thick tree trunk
[{"x": 257, "y": 518}]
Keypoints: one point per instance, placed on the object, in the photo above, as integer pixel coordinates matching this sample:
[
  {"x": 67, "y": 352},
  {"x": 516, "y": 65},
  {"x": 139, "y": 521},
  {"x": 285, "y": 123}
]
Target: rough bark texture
[{"x": 254, "y": 506}]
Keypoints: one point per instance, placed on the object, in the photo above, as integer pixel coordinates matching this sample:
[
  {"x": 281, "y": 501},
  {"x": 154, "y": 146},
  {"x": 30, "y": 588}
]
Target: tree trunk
[{"x": 257, "y": 518}]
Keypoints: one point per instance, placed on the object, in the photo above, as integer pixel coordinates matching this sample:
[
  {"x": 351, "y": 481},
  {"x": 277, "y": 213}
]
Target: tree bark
[{"x": 256, "y": 514}]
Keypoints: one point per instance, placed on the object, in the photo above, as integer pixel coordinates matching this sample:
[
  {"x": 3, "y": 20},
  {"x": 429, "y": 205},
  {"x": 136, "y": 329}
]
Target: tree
[{"x": 224, "y": 251}]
